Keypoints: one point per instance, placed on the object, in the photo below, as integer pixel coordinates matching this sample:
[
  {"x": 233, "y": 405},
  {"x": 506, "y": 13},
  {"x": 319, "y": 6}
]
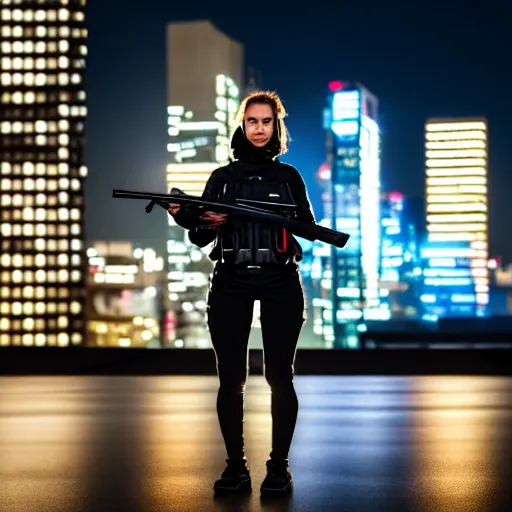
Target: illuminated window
[
  {"x": 63, "y": 14},
  {"x": 40, "y": 79},
  {"x": 28, "y": 340},
  {"x": 40, "y": 276},
  {"x": 63, "y": 46},
  {"x": 63, "y": 276},
  {"x": 28, "y": 308},
  {"x": 28, "y": 292},
  {"x": 17, "y": 31},
  {"x": 63, "y": 260},
  {"x": 63, "y": 339},
  {"x": 63, "y": 214},
  {"x": 40, "y": 47},
  {"x": 28, "y": 47},
  {"x": 41, "y": 31},
  {"x": 17, "y": 63},
  {"x": 40, "y": 339},
  {"x": 63, "y": 153}
]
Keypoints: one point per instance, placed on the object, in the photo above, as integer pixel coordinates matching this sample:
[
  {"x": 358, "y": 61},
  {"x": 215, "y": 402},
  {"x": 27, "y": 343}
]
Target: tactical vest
[{"x": 245, "y": 242}]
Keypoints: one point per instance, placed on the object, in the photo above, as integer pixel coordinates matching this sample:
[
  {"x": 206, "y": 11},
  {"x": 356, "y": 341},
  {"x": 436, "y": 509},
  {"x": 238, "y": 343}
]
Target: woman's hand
[
  {"x": 214, "y": 219},
  {"x": 174, "y": 209}
]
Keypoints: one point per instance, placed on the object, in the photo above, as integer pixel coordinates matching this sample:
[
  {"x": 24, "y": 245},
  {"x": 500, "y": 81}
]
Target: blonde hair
[{"x": 268, "y": 98}]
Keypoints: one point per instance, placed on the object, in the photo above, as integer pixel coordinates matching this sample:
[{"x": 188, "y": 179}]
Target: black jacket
[{"x": 221, "y": 179}]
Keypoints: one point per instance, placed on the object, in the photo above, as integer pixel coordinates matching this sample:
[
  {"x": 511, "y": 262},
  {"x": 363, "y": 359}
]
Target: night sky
[{"x": 430, "y": 59}]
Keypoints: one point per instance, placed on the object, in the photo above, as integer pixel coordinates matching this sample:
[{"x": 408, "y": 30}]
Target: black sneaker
[
  {"x": 235, "y": 479},
  {"x": 278, "y": 480}
]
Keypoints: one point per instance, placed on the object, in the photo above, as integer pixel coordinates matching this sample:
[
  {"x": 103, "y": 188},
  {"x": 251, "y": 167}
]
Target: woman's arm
[{"x": 300, "y": 197}]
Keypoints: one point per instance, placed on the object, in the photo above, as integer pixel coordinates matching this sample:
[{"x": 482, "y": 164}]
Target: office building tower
[
  {"x": 319, "y": 269},
  {"x": 353, "y": 156},
  {"x": 124, "y": 296},
  {"x": 456, "y": 280},
  {"x": 204, "y": 84},
  {"x": 42, "y": 172},
  {"x": 400, "y": 267}
]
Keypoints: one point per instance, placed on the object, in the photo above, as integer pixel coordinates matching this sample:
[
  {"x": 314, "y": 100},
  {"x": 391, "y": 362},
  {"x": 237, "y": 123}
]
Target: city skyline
[
  {"x": 44, "y": 110},
  {"x": 434, "y": 77}
]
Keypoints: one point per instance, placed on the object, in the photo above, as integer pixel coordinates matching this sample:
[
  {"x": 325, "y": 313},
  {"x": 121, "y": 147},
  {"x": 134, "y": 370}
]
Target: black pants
[{"x": 230, "y": 313}]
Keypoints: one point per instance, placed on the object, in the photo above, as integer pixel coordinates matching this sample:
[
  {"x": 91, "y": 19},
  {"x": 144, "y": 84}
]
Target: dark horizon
[{"x": 420, "y": 62}]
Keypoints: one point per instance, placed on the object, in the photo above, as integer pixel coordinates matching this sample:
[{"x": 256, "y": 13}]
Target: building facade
[
  {"x": 125, "y": 296},
  {"x": 400, "y": 263},
  {"x": 456, "y": 279},
  {"x": 204, "y": 84},
  {"x": 42, "y": 115},
  {"x": 353, "y": 157}
]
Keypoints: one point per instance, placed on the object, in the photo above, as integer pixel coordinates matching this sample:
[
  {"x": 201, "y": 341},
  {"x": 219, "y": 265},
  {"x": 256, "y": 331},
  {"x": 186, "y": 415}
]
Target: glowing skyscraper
[
  {"x": 204, "y": 80},
  {"x": 42, "y": 115},
  {"x": 353, "y": 156},
  {"x": 456, "y": 280}
]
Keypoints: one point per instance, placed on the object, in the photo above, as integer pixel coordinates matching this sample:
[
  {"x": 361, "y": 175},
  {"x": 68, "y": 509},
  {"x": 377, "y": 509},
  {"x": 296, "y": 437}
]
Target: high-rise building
[
  {"x": 457, "y": 277},
  {"x": 353, "y": 157},
  {"x": 42, "y": 172},
  {"x": 400, "y": 272},
  {"x": 124, "y": 296},
  {"x": 204, "y": 80}
]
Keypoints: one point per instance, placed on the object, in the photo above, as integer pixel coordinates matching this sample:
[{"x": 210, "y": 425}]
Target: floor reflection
[
  {"x": 148, "y": 444},
  {"x": 459, "y": 434},
  {"x": 42, "y": 450}
]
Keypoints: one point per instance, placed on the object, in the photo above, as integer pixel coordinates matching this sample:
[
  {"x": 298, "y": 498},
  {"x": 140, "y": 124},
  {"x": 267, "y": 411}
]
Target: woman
[{"x": 254, "y": 262}]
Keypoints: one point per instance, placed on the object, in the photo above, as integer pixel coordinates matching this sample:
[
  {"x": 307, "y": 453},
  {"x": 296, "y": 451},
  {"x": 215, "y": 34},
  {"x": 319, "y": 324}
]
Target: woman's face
[{"x": 259, "y": 124}]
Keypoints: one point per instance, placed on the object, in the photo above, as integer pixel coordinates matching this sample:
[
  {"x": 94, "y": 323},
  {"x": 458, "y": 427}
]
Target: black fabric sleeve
[
  {"x": 300, "y": 196},
  {"x": 188, "y": 216}
]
